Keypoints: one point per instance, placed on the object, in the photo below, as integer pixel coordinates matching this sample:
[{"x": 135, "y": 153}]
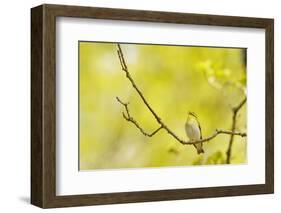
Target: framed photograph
[{"x": 135, "y": 106}]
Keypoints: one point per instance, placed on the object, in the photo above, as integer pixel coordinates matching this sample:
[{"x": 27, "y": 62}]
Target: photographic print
[
  {"x": 152, "y": 105},
  {"x": 157, "y": 100}
]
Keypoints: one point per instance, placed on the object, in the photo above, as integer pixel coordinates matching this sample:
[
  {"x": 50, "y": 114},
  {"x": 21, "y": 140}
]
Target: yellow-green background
[{"x": 175, "y": 80}]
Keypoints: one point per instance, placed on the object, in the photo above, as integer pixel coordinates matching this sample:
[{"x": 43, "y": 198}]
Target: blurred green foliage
[{"x": 175, "y": 80}]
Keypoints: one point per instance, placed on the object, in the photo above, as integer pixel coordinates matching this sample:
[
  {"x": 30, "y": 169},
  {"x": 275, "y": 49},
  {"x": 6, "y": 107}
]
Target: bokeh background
[{"x": 174, "y": 79}]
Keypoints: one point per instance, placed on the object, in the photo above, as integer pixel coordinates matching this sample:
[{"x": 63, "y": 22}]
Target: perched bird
[{"x": 193, "y": 131}]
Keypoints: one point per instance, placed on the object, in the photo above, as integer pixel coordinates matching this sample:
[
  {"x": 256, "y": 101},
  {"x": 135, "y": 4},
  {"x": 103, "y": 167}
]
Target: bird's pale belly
[{"x": 192, "y": 132}]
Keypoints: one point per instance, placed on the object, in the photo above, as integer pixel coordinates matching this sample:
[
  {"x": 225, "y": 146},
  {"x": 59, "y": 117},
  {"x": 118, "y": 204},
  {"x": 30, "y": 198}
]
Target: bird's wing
[
  {"x": 199, "y": 127},
  {"x": 193, "y": 114},
  {"x": 200, "y": 130}
]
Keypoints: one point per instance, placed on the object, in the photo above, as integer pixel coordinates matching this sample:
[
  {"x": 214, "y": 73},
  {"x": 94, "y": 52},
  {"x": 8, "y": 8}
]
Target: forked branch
[
  {"x": 127, "y": 116},
  {"x": 235, "y": 111}
]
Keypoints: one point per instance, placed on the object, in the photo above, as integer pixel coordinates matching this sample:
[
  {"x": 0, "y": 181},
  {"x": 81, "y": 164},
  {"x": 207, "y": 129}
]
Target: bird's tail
[{"x": 199, "y": 148}]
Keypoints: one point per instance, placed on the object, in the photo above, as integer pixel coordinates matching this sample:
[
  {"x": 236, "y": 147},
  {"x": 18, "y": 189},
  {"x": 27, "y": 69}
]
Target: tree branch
[
  {"x": 129, "y": 118},
  {"x": 235, "y": 111}
]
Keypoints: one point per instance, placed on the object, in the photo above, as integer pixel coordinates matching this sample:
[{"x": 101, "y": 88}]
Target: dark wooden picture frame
[{"x": 43, "y": 105}]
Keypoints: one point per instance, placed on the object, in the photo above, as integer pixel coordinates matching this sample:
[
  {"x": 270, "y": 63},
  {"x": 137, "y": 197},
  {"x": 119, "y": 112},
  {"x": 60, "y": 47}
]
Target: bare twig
[
  {"x": 216, "y": 133},
  {"x": 128, "y": 117},
  {"x": 235, "y": 111}
]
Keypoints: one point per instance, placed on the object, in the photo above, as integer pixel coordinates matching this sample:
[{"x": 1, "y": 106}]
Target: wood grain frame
[{"x": 43, "y": 105}]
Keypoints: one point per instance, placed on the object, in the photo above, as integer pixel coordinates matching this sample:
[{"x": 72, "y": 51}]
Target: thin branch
[
  {"x": 235, "y": 111},
  {"x": 217, "y": 132},
  {"x": 237, "y": 108},
  {"x": 128, "y": 117}
]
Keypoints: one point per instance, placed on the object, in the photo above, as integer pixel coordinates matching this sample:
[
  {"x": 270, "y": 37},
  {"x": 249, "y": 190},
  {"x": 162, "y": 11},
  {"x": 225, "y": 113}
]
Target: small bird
[{"x": 193, "y": 131}]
